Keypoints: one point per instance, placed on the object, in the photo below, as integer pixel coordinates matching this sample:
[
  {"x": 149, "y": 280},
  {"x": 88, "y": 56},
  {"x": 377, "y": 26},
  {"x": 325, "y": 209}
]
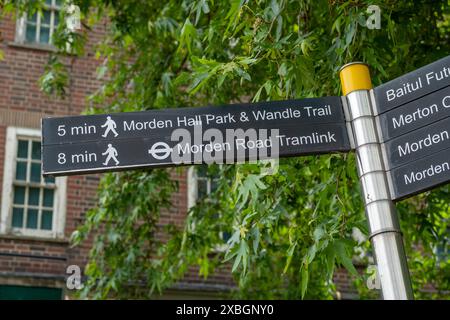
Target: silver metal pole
[{"x": 385, "y": 233}]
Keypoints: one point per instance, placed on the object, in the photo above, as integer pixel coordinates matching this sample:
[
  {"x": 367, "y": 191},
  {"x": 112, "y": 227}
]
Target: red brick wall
[{"x": 35, "y": 261}]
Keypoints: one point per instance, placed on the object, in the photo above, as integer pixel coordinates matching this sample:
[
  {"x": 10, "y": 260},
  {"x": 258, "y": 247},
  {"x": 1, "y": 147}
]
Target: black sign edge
[
  {"x": 112, "y": 140},
  {"x": 170, "y": 164},
  {"x": 379, "y": 87},
  {"x": 378, "y": 117},
  {"x": 416, "y": 159},
  {"x": 409, "y": 195},
  {"x": 392, "y": 184},
  {"x": 161, "y": 110}
]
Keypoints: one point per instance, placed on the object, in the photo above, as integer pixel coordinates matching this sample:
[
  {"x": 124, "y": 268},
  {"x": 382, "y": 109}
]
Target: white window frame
[
  {"x": 21, "y": 25},
  {"x": 13, "y": 134},
  {"x": 192, "y": 187}
]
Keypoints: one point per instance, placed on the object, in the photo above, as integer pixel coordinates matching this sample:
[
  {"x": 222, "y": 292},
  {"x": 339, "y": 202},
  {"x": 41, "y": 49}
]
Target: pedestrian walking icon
[
  {"x": 111, "y": 153},
  {"x": 110, "y": 125}
]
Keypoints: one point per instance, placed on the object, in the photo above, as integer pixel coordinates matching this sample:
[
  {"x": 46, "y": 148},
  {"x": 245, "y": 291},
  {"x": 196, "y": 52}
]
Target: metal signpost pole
[{"x": 380, "y": 210}]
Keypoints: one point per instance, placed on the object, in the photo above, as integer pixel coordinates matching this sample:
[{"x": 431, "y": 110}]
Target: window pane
[
  {"x": 35, "y": 172},
  {"x": 36, "y": 150},
  {"x": 45, "y": 19},
  {"x": 32, "y": 219},
  {"x": 45, "y": 35},
  {"x": 19, "y": 195},
  {"x": 48, "y": 198},
  {"x": 56, "y": 19},
  {"x": 202, "y": 171},
  {"x": 17, "y": 218},
  {"x": 214, "y": 185},
  {"x": 49, "y": 180},
  {"x": 226, "y": 236},
  {"x": 33, "y": 196},
  {"x": 202, "y": 188},
  {"x": 49, "y": 2},
  {"x": 32, "y": 19},
  {"x": 31, "y": 33},
  {"x": 21, "y": 171},
  {"x": 22, "y": 149},
  {"x": 46, "y": 220}
]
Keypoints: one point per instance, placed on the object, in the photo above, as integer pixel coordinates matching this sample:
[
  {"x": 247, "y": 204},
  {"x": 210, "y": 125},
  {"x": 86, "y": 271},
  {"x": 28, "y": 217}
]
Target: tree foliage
[{"x": 290, "y": 230}]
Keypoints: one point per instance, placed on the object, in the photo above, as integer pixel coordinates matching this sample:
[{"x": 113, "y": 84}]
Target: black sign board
[
  {"x": 418, "y": 144},
  {"x": 162, "y": 122},
  {"x": 413, "y": 85},
  {"x": 421, "y": 175},
  {"x": 415, "y": 114},
  {"x": 226, "y": 134},
  {"x": 414, "y": 117}
]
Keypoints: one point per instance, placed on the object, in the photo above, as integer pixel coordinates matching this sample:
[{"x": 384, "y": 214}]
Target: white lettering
[
  {"x": 146, "y": 125},
  {"x": 428, "y": 141},
  {"x": 420, "y": 113},
  {"x": 413, "y": 177}
]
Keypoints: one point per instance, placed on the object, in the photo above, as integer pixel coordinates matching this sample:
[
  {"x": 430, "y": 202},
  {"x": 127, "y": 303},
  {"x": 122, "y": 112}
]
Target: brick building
[{"x": 37, "y": 215}]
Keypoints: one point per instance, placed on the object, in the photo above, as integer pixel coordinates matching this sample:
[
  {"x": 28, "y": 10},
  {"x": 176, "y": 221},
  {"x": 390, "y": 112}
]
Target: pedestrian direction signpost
[
  {"x": 226, "y": 134},
  {"x": 400, "y": 132},
  {"x": 414, "y": 124}
]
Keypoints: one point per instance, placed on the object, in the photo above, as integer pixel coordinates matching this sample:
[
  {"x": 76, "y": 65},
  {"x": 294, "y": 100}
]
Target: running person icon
[
  {"x": 112, "y": 154},
  {"x": 110, "y": 126}
]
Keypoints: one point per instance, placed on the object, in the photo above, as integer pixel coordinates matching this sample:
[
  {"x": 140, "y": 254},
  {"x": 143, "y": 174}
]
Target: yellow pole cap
[{"x": 355, "y": 76}]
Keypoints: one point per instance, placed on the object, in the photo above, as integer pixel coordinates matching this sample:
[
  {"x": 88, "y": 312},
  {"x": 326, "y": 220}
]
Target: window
[
  {"x": 443, "y": 249},
  {"x": 31, "y": 205},
  {"x": 200, "y": 185},
  {"x": 39, "y": 28}
]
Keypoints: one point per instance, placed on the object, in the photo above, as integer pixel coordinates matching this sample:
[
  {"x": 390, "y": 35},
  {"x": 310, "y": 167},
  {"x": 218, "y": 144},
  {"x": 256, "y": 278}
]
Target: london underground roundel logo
[{"x": 160, "y": 150}]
